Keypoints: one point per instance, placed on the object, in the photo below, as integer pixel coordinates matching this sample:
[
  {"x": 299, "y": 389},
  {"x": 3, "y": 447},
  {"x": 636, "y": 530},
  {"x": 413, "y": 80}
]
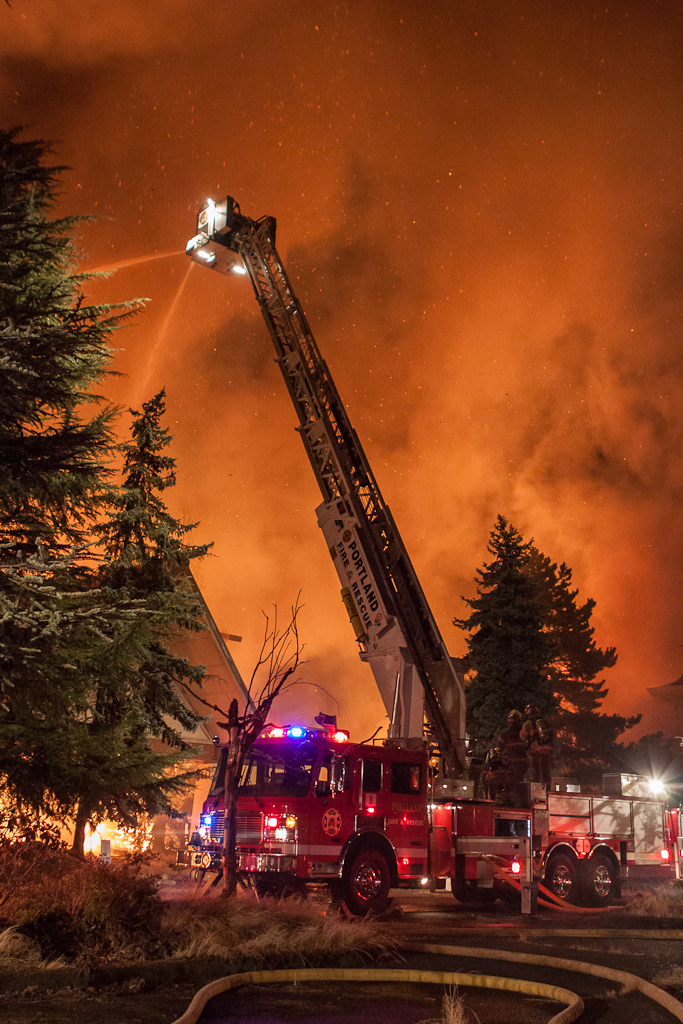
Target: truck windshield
[{"x": 282, "y": 770}]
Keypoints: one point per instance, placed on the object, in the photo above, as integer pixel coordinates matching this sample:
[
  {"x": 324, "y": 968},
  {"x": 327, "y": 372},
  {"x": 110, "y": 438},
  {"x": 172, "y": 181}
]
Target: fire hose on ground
[
  {"x": 571, "y": 1012},
  {"x": 573, "y": 1002},
  {"x": 628, "y": 982}
]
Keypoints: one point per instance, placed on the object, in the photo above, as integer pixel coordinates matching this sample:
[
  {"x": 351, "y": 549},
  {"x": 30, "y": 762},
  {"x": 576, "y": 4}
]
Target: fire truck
[{"x": 316, "y": 808}]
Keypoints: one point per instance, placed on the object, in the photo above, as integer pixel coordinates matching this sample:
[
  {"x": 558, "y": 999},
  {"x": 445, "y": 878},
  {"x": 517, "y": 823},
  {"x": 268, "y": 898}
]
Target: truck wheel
[
  {"x": 366, "y": 883},
  {"x": 599, "y": 877},
  {"x": 562, "y": 877}
]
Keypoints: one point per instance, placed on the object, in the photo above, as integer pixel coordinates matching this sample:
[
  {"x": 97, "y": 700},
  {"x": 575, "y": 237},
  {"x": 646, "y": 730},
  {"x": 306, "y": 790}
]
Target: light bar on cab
[
  {"x": 299, "y": 732},
  {"x": 292, "y": 732}
]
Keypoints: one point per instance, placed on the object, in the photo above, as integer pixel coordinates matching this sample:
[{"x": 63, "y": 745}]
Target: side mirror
[{"x": 338, "y": 774}]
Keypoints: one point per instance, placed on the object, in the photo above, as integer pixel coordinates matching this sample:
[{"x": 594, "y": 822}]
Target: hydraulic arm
[{"x": 394, "y": 626}]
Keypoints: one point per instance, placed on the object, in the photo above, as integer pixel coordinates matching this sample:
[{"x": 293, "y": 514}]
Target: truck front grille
[
  {"x": 249, "y": 827},
  {"x": 217, "y": 827}
]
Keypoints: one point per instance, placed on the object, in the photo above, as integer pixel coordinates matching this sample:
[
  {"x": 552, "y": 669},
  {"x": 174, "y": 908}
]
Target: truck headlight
[{"x": 281, "y": 827}]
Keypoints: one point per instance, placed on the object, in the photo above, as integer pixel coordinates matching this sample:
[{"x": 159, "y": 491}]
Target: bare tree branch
[{"x": 278, "y": 660}]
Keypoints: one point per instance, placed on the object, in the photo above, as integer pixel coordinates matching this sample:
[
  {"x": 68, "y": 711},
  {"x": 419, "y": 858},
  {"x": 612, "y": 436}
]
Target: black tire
[
  {"x": 562, "y": 878},
  {"x": 366, "y": 883},
  {"x": 600, "y": 880}
]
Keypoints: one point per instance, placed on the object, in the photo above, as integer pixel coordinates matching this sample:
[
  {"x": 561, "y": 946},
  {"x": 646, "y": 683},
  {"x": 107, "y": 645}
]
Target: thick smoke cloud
[{"x": 479, "y": 207}]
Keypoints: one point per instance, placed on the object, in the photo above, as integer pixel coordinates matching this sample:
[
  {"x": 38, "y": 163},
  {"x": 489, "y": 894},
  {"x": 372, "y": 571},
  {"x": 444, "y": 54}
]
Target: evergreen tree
[
  {"x": 85, "y": 667},
  {"x": 532, "y": 642},
  {"x": 136, "y": 694},
  {"x": 586, "y": 738},
  {"x": 508, "y": 651},
  {"x": 54, "y": 348}
]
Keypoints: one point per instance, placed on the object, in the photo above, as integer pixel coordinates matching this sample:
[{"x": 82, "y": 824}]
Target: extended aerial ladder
[{"x": 393, "y": 623}]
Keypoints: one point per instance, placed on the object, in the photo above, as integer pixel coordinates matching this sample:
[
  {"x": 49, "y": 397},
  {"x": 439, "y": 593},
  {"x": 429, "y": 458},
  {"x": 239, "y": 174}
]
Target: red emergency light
[
  {"x": 272, "y": 822},
  {"x": 516, "y": 867},
  {"x": 369, "y": 810},
  {"x": 340, "y": 736},
  {"x": 664, "y": 854},
  {"x": 278, "y": 732}
]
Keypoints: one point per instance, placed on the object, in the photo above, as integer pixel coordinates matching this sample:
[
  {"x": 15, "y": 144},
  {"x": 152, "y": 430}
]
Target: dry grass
[
  {"x": 19, "y": 953},
  {"x": 267, "y": 931},
  {"x": 453, "y": 1009},
  {"x": 92, "y": 913},
  {"x": 664, "y": 900}
]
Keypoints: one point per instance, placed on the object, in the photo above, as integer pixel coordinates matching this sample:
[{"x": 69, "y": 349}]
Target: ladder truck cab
[{"x": 314, "y": 807}]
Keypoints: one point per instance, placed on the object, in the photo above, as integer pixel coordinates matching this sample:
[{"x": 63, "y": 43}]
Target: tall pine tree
[
  {"x": 508, "y": 651},
  {"x": 54, "y": 349},
  {"x": 586, "y": 738},
  {"x": 85, "y": 667},
  {"x": 136, "y": 693},
  {"x": 532, "y": 642}
]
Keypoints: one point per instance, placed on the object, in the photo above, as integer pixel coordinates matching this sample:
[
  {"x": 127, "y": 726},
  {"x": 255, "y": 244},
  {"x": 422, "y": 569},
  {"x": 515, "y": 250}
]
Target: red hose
[{"x": 557, "y": 904}]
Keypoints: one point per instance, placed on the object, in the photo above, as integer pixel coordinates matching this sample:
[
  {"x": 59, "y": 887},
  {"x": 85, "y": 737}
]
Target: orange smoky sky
[{"x": 479, "y": 204}]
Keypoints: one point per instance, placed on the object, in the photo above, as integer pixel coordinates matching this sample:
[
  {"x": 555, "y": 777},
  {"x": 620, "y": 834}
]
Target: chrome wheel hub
[
  {"x": 561, "y": 881},
  {"x": 602, "y": 881},
  {"x": 368, "y": 881}
]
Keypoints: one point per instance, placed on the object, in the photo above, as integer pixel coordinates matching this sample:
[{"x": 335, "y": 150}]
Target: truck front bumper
[
  {"x": 256, "y": 863},
  {"x": 207, "y": 859}
]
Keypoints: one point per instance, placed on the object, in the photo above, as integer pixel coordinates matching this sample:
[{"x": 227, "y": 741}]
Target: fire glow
[{"x": 524, "y": 360}]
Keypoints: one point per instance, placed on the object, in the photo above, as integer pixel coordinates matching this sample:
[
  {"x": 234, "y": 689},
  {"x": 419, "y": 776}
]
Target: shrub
[
  {"x": 663, "y": 901},
  {"x": 87, "y": 909},
  {"x": 29, "y": 848}
]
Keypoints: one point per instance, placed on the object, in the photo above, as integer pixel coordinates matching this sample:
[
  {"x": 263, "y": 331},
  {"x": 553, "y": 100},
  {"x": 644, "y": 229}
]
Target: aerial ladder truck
[
  {"x": 393, "y": 623},
  {"x": 314, "y": 808}
]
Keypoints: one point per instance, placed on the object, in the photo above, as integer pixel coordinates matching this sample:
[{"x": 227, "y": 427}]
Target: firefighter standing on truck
[
  {"x": 538, "y": 739},
  {"x": 513, "y": 750}
]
